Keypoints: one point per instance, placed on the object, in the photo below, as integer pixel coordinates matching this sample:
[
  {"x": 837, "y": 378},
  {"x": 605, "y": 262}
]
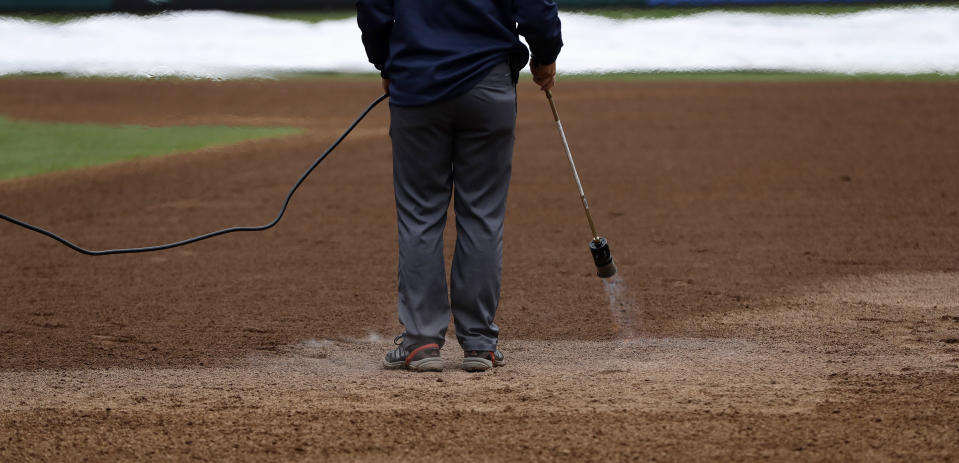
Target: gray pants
[{"x": 462, "y": 145}]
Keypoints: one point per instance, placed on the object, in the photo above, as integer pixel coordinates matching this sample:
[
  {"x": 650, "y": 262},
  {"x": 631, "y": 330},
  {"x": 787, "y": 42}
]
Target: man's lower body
[{"x": 459, "y": 149}]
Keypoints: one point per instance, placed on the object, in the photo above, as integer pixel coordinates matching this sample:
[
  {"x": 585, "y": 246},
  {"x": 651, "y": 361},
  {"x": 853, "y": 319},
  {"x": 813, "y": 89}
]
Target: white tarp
[{"x": 221, "y": 44}]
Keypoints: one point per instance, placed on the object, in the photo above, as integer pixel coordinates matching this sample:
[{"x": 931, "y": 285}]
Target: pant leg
[
  {"x": 422, "y": 182},
  {"x": 482, "y": 162}
]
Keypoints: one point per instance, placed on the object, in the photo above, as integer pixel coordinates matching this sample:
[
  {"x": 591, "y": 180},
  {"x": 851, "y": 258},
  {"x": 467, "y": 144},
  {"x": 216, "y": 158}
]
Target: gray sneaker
[
  {"x": 425, "y": 357},
  {"x": 482, "y": 360}
]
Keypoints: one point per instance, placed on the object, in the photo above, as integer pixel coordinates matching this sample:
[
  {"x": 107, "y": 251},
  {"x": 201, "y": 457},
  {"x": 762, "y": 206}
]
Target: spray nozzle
[{"x": 599, "y": 248}]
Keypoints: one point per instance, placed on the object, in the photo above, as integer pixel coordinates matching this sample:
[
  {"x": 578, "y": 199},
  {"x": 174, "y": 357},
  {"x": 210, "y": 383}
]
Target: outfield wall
[{"x": 240, "y": 5}]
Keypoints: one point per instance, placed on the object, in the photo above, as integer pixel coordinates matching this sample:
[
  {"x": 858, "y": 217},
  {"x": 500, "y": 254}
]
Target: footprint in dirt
[
  {"x": 111, "y": 339},
  {"x": 49, "y": 324}
]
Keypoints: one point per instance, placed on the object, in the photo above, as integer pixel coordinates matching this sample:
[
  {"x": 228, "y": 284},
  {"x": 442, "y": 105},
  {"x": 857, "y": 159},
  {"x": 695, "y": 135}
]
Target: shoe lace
[{"x": 399, "y": 339}]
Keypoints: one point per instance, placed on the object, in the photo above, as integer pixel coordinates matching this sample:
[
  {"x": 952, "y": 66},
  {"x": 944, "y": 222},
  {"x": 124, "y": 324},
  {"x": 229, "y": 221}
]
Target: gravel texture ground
[{"x": 790, "y": 288}]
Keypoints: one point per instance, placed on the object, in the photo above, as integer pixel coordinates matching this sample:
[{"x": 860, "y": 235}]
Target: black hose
[{"x": 161, "y": 247}]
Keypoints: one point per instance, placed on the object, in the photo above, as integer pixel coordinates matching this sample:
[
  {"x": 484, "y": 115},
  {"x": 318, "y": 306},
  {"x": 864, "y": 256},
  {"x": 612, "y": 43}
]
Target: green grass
[
  {"x": 31, "y": 148},
  {"x": 46, "y": 17},
  {"x": 309, "y": 16}
]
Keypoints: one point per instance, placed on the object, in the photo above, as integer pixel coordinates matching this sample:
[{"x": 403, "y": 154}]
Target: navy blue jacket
[{"x": 437, "y": 49}]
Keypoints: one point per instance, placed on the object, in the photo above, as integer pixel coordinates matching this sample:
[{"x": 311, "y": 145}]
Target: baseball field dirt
[{"x": 789, "y": 255}]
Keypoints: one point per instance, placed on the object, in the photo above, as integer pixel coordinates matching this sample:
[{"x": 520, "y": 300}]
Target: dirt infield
[{"x": 788, "y": 251}]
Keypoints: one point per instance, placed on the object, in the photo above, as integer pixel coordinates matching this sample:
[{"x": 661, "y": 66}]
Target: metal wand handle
[{"x": 572, "y": 165}]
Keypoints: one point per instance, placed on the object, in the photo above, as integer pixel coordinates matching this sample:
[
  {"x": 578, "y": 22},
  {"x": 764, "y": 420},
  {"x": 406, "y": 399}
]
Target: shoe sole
[
  {"x": 477, "y": 364},
  {"x": 427, "y": 364}
]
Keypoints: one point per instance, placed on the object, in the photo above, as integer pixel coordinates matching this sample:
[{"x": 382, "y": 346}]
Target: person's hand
[
  {"x": 544, "y": 75},
  {"x": 386, "y": 85}
]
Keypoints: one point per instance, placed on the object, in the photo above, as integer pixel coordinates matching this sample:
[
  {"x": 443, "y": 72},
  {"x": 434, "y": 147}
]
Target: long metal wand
[
  {"x": 598, "y": 246},
  {"x": 569, "y": 155}
]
